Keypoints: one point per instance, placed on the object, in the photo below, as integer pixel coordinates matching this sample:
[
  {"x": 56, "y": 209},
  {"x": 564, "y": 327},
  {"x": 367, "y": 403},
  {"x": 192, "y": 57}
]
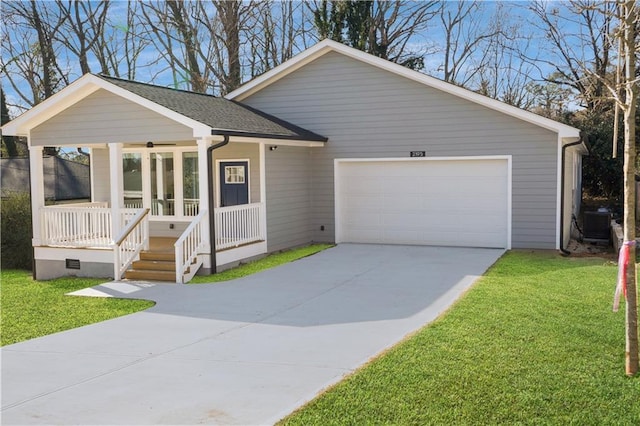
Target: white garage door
[{"x": 449, "y": 202}]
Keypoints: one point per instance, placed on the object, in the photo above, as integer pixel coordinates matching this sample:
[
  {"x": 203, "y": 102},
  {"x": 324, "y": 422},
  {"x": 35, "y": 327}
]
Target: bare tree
[
  {"x": 200, "y": 42},
  {"x": 629, "y": 26},
  {"x": 578, "y": 45},
  {"x": 84, "y": 24},
  {"x": 120, "y": 45},
  {"x": 383, "y": 28},
  {"x": 501, "y": 74},
  {"x": 466, "y": 37},
  {"x": 395, "y": 25},
  {"x": 175, "y": 34},
  {"x": 230, "y": 14},
  {"x": 31, "y": 52},
  {"x": 179, "y": 16},
  {"x": 281, "y": 29}
]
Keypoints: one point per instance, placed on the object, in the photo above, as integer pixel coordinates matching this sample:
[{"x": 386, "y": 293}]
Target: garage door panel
[
  {"x": 363, "y": 202},
  {"x": 427, "y": 222},
  {"x": 445, "y": 202}
]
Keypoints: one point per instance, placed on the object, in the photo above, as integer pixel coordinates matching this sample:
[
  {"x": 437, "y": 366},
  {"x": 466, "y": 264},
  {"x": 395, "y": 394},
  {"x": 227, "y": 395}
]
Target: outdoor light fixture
[
  {"x": 149, "y": 144},
  {"x": 273, "y": 148}
]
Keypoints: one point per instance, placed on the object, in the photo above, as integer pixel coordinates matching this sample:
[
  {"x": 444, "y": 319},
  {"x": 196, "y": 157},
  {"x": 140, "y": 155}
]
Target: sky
[{"x": 430, "y": 41}]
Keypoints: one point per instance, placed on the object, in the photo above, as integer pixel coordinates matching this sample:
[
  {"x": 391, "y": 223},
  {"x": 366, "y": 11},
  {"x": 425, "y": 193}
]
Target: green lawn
[
  {"x": 37, "y": 308},
  {"x": 534, "y": 342},
  {"x": 270, "y": 261}
]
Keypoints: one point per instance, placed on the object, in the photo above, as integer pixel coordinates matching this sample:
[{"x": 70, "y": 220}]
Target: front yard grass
[
  {"x": 36, "y": 308},
  {"x": 534, "y": 342},
  {"x": 268, "y": 262}
]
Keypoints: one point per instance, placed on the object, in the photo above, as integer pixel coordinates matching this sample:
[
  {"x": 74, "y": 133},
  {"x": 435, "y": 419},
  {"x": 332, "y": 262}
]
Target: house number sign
[{"x": 418, "y": 154}]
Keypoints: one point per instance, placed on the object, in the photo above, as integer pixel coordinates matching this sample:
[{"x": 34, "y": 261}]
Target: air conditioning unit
[{"x": 596, "y": 226}]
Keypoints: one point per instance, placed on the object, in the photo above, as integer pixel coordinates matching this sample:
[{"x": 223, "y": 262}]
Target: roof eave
[{"x": 314, "y": 141}]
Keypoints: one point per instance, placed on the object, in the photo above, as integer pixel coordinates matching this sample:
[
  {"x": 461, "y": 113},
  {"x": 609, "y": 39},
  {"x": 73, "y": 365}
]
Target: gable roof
[
  {"x": 222, "y": 115},
  {"x": 205, "y": 114},
  {"x": 326, "y": 46}
]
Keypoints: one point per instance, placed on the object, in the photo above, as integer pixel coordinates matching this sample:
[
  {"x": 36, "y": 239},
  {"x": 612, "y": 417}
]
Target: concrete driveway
[{"x": 248, "y": 351}]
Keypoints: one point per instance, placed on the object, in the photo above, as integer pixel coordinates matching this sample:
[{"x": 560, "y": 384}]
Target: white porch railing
[
  {"x": 94, "y": 204},
  {"x": 238, "y": 225},
  {"x": 133, "y": 238},
  {"x": 80, "y": 226},
  {"x": 167, "y": 207},
  {"x": 191, "y": 206},
  {"x": 76, "y": 226},
  {"x": 188, "y": 247},
  {"x": 91, "y": 227},
  {"x": 133, "y": 203}
]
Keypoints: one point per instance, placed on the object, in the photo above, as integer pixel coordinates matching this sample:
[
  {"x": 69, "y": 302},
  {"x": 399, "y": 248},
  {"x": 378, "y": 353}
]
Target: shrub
[{"x": 15, "y": 231}]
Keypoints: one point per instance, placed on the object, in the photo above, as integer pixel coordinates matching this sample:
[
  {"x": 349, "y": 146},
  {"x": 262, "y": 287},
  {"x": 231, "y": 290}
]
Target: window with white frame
[
  {"x": 169, "y": 185},
  {"x": 234, "y": 174}
]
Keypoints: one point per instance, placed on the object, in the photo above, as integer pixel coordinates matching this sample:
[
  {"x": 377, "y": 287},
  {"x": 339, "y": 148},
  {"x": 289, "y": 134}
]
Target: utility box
[{"x": 596, "y": 227}]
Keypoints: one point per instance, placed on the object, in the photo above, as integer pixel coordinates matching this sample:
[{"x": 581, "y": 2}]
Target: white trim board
[{"x": 339, "y": 232}]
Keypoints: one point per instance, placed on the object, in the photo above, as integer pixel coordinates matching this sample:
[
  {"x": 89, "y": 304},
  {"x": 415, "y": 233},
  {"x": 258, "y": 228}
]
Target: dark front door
[{"x": 234, "y": 183}]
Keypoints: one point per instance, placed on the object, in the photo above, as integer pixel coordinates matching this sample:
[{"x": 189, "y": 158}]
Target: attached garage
[{"x": 446, "y": 201}]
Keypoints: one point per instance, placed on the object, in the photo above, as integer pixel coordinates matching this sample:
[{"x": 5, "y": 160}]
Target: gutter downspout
[
  {"x": 562, "y": 172},
  {"x": 212, "y": 222}
]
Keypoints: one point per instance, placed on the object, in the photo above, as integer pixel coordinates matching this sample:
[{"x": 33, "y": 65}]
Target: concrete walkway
[{"x": 248, "y": 351}]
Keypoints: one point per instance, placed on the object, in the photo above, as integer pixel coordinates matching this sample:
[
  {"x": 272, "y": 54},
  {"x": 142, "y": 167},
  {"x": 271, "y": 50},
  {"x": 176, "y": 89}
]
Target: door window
[
  {"x": 190, "y": 183},
  {"x": 234, "y": 174},
  {"x": 162, "y": 184},
  {"x": 132, "y": 179}
]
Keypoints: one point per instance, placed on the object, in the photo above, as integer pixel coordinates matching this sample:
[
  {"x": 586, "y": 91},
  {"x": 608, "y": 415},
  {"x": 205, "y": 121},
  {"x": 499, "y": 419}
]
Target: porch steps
[{"x": 153, "y": 266}]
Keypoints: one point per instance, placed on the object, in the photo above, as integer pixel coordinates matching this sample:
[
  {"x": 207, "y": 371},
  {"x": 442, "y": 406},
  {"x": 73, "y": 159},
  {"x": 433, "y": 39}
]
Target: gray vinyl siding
[
  {"x": 103, "y": 117},
  {"x": 242, "y": 151},
  {"x": 288, "y": 197},
  {"x": 100, "y": 182},
  {"x": 367, "y": 112}
]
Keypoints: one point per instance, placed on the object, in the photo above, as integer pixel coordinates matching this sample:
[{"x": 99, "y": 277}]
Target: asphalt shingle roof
[{"x": 221, "y": 114}]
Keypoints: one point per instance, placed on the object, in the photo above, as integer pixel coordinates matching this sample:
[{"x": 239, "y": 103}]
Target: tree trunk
[
  {"x": 229, "y": 13},
  {"x": 46, "y": 52},
  {"x": 187, "y": 33},
  {"x": 631, "y": 92}
]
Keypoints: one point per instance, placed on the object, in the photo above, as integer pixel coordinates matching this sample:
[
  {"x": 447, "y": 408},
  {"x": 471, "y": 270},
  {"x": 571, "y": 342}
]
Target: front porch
[
  {"x": 163, "y": 163},
  {"x": 84, "y": 233}
]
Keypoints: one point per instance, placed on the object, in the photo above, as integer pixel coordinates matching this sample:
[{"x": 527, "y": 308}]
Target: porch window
[
  {"x": 190, "y": 183},
  {"x": 163, "y": 179},
  {"x": 162, "y": 184},
  {"x": 132, "y": 171}
]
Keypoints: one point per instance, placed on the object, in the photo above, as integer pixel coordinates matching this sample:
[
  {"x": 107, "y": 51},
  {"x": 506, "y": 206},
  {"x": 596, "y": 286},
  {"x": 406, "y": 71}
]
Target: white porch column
[
  {"x": 160, "y": 178},
  {"x": 203, "y": 189},
  {"x": 263, "y": 191},
  {"x": 36, "y": 175},
  {"x": 117, "y": 186}
]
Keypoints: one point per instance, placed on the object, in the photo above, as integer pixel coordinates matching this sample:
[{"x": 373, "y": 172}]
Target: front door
[{"x": 234, "y": 183}]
